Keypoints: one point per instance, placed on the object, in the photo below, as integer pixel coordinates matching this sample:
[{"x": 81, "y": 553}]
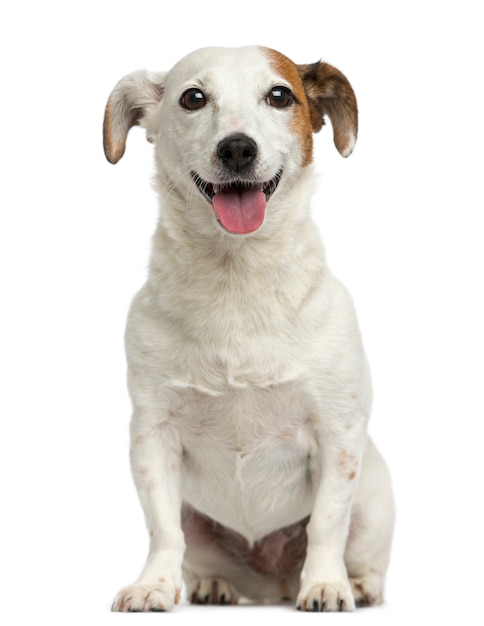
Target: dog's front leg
[
  {"x": 156, "y": 466},
  {"x": 324, "y": 579}
]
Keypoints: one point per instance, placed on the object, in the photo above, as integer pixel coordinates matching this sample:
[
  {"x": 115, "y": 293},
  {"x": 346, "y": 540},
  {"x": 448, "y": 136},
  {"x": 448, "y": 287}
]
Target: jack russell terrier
[{"x": 249, "y": 384}]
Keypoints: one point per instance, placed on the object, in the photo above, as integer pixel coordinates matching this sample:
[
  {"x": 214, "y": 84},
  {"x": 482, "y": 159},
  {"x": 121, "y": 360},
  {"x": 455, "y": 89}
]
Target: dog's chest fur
[{"x": 244, "y": 452}]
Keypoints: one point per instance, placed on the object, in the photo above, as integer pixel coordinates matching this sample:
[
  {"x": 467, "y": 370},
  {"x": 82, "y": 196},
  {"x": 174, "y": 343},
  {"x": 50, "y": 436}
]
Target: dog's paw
[
  {"x": 144, "y": 598},
  {"x": 367, "y": 590},
  {"x": 214, "y": 591},
  {"x": 326, "y": 597}
]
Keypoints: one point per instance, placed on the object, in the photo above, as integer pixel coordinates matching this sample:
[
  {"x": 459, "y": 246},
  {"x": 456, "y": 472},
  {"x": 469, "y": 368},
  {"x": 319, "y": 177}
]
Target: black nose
[{"x": 237, "y": 151}]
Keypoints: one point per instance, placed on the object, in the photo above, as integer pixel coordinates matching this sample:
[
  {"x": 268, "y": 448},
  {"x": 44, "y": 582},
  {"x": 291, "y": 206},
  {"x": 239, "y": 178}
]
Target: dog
[{"x": 249, "y": 384}]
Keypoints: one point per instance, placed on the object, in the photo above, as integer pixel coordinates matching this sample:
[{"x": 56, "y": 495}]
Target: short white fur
[{"x": 249, "y": 384}]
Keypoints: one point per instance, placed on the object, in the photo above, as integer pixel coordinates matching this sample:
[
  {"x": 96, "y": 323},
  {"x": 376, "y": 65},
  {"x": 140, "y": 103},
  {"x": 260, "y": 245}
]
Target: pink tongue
[{"x": 240, "y": 213}]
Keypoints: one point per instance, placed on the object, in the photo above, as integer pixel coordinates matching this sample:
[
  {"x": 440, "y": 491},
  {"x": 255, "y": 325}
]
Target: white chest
[{"x": 248, "y": 457}]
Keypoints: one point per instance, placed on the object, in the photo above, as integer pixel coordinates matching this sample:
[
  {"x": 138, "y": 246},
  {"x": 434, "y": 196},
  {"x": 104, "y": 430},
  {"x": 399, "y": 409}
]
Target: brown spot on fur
[
  {"x": 286, "y": 434},
  {"x": 348, "y": 463},
  {"x": 301, "y": 123}
]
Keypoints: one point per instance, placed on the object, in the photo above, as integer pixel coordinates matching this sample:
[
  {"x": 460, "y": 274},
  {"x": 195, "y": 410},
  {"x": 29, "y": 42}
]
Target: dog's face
[
  {"x": 232, "y": 127},
  {"x": 240, "y": 126}
]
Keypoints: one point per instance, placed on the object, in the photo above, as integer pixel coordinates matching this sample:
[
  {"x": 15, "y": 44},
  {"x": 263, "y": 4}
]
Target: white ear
[{"x": 129, "y": 101}]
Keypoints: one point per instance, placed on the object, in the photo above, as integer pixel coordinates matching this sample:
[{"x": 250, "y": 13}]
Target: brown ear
[
  {"x": 127, "y": 105},
  {"x": 330, "y": 93}
]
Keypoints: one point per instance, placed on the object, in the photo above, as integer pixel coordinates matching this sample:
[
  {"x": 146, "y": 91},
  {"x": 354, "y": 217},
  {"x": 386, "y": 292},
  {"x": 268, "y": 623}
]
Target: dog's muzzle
[{"x": 240, "y": 203}]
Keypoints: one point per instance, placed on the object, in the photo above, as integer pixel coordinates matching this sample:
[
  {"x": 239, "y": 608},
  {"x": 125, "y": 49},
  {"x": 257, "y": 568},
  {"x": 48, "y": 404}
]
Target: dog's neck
[
  {"x": 207, "y": 275},
  {"x": 233, "y": 288}
]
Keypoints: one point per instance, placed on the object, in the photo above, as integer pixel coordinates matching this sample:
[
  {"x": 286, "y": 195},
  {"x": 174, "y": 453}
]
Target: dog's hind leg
[
  {"x": 372, "y": 520},
  {"x": 220, "y": 565}
]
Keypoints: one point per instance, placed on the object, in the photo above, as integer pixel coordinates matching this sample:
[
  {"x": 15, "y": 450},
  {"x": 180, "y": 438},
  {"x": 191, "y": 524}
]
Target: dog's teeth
[{"x": 210, "y": 189}]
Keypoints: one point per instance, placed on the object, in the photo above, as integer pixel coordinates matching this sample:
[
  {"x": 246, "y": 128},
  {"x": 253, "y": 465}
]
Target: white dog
[{"x": 249, "y": 384}]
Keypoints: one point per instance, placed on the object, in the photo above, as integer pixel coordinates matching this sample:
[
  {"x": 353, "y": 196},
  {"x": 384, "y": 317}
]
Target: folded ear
[
  {"x": 330, "y": 93},
  {"x": 127, "y": 105}
]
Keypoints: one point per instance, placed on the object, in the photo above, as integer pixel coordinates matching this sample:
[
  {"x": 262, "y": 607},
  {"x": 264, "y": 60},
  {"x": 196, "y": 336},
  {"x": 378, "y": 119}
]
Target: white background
[{"x": 402, "y": 223}]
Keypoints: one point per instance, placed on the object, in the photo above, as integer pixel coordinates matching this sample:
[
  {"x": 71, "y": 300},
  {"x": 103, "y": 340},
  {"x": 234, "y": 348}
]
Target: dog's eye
[
  {"x": 280, "y": 97},
  {"x": 193, "y": 99}
]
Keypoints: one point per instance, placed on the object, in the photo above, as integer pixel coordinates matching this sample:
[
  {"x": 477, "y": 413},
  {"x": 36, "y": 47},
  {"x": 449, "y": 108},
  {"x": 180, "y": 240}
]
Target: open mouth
[{"x": 240, "y": 205}]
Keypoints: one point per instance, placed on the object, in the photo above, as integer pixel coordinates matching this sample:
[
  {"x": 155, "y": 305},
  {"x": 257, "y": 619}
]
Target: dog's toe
[
  {"x": 214, "y": 591},
  {"x": 326, "y": 597},
  {"x": 153, "y": 598},
  {"x": 367, "y": 590}
]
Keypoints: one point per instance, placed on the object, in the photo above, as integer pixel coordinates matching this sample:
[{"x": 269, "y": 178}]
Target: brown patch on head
[{"x": 301, "y": 124}]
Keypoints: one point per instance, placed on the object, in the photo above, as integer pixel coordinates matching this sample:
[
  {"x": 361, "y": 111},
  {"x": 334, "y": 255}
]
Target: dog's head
[{"x": 232, "y": 127}]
